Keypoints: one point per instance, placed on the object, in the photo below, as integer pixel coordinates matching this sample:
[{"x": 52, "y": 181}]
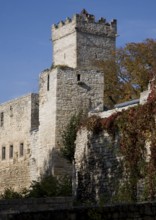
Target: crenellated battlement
[
  {"x": 80, "y": 40},
  {"x": 62, "y": 23},
  {"x": 88, "y": 19}
]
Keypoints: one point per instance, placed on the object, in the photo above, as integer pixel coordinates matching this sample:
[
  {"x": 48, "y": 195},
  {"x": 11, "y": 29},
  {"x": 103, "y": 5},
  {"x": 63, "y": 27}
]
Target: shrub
[
  {"x": 9, "y": 193},
  {"x": 50, "y": 186}
]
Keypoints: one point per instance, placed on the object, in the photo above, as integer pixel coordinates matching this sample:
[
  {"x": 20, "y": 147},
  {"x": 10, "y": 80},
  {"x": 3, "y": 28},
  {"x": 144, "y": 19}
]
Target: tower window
[
  {"x": 78, "y": 77},
  {"x": 21, "y": 149},
  {"x": 11, "y": 111},
  {"x": 1, "y": 119},
  {"x": 3, "y": 153},
  {"x": 64, "y": 56},
  {"x": 48, "y": 82},
  {"x": 11, "y": 151}
]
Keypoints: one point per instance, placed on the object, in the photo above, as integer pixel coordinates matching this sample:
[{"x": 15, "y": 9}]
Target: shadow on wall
[
  {"x": 56, "y": 165},
  {"x": 99, "y": 175}
]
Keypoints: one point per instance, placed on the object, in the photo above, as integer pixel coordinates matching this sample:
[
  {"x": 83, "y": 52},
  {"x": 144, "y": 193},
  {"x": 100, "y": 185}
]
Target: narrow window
[
  {"x": 95, "y": 55},
  {"x": 2, "y": 119},
  {"x": 3, "y": 153},
  {"x": 11, "y": 111},
  {"x": 78, "y": 77},
  {"x": 48, "y": 82},
  {"x": 11, "y": 151},
  {"x": 64, "y": 56},
  {"x": 21, "y": 149}
]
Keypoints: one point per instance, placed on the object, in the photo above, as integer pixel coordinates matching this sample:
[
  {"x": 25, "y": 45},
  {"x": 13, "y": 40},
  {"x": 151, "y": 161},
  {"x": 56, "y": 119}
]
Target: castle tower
[
  {"x": 80, "y": 41},
  {"x": 30, "y": 147},
  {"x": 73, "y": 84}
]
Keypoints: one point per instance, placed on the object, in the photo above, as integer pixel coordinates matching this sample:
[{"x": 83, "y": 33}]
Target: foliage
[
  {"x": 137, "y": 129},
  {"x": 128, "y": 72},
  {"x": 10, "y": 193},
  {"x": 93, "y": 124},
  {"x": 123, "y": 193},
  {"x": 65, "y": 186},
  {"x": 96, "y": 213},
  {"x": 50, "y": 186},
  {"x": 69, "y": 137},
  {"x": 109, "y": 124},
  {"x": 111, "y": 81},
  {"x": 97, "y": 124}
]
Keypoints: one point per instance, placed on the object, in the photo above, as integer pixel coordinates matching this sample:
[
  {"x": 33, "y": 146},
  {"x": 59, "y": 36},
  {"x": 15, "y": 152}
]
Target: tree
[{"x": 128, "y": 72}]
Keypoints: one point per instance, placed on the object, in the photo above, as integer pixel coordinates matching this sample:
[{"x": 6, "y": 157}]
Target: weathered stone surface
[
  {"x": 36, "y": 121},
  {"x": 20, "y": 117},
  {"x": 99, "y": 169},
  {"x": 81, "y": 41},
  {"x": 97, "y": 165},
  {"x": 66, "y": 96}
]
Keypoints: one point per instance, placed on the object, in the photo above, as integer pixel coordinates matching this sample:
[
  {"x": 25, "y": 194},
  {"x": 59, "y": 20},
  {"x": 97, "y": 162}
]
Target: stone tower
[
  {"x": 72, "y": 84},
  {"x": 30, "y": 147},
  {"x": 79, "y": 41}
]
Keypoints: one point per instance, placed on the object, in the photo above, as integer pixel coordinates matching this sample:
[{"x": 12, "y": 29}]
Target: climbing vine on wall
[
  {"x": 69, "y": 136},
  {"x": 137, "y": 130}
]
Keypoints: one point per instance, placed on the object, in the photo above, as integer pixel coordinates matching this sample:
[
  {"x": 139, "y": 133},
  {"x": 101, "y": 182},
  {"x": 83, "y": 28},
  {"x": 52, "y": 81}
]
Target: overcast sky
[{"x": 25, "y": 32}]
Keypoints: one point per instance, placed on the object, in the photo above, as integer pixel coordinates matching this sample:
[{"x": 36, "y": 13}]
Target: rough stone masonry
[{"x": 31, "y": 125}]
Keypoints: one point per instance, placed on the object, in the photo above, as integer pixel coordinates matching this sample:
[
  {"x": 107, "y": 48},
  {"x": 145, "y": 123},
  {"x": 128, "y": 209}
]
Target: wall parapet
[
  {"x": 84, "y": 22},
  {"x": 84, "y": 16},
  {"x": 109, "y": 212},
  {"x": 35, "y": 204}
]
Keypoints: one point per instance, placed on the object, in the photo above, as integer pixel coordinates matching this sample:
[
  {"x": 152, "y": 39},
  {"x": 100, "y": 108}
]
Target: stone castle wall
[
  {"x": 15, "y": 149},
  {"x": 97, "y": 165},
  {"x": 34, "y": 159},
  {"x": 95, "y": 41},
  {"x": 64, "y": 44},
  {"x": 35, "y": 122},
  {"x": 77, "y": 90},
  {"x": 93, "y": 48},
  {"x": 70, "y": 91},
  {"x": 98, "y": 161},
  {"x": 62, "y": 208},
  {"x": 75, "y": 95},
  {"x": 47, "y": 119}
]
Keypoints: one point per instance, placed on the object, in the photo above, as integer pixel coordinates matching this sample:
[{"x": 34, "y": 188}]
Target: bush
[
  {"x": 50, "y": 187},
  {"x": 9, "y": 193},
  {"x": 64, "y": 186}
]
